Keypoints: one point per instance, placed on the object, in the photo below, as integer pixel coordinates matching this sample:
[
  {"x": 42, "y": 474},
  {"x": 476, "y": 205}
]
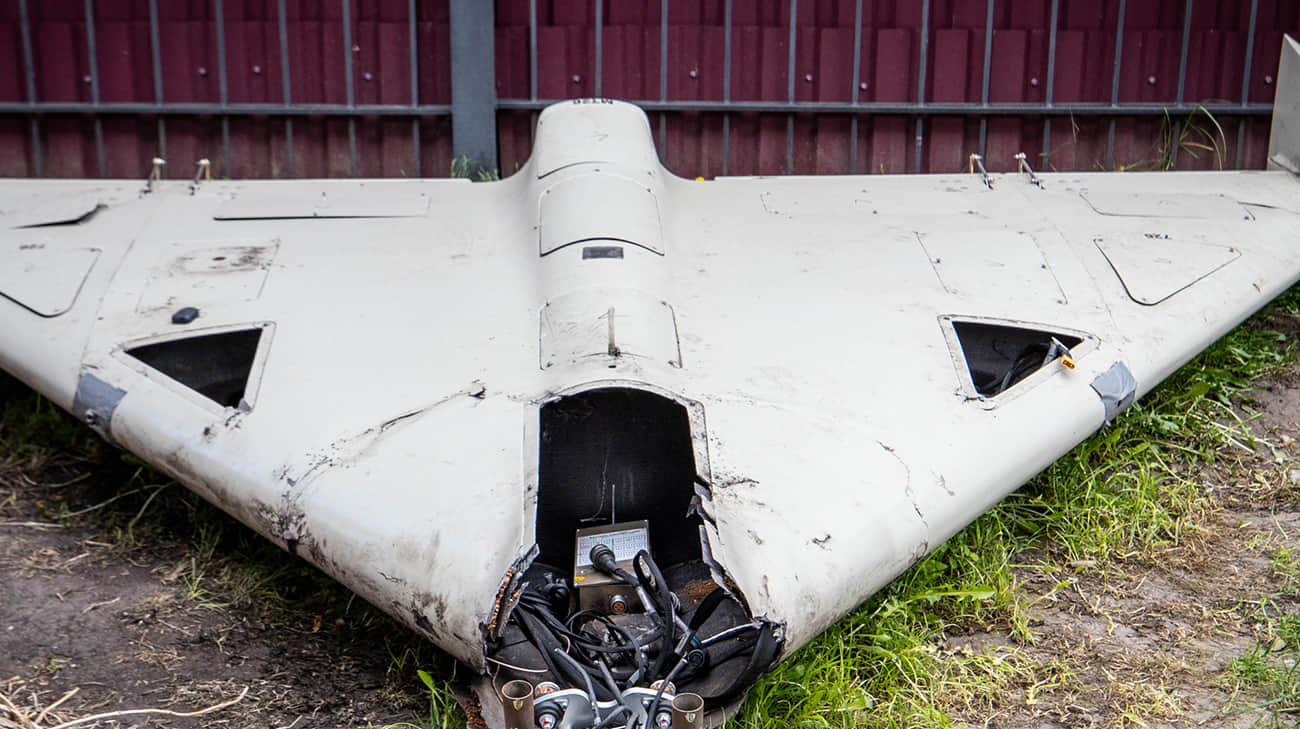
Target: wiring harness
[{"x": 613, "y": 660}]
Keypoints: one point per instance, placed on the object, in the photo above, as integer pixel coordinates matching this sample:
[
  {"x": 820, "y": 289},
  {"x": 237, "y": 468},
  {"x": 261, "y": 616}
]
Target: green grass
[{"x": 1266, "y": 680}]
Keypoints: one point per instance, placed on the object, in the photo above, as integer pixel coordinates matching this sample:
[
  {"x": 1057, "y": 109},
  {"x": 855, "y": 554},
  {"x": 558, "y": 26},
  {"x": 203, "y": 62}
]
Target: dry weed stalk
[{"x": 11, "y": 717}]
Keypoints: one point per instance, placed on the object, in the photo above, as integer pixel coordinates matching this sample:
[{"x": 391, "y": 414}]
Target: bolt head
[
  {"x": 257, "y": 69},
  {"x": 1268, "y": 80},
  {"x": 1151, "y": 80},
  {"x": 577, "y": 79},
  {"x": 203, "y": 70},
  {"x": 1033, "y": 82}
]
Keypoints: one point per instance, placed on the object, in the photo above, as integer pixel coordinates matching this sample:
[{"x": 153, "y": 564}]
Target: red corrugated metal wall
[
  {"x": 693, "y": 141},
  {"x": 190, "y": 73}
]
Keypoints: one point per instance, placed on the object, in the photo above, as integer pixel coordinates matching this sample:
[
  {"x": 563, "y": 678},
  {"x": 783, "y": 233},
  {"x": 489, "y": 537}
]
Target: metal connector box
[{"x": 597, "y": 590}]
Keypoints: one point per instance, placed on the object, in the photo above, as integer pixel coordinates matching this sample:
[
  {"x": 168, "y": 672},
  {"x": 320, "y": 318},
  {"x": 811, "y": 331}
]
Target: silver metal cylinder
[
  {"x": 517, "y": 701},
  {"x": 688, "y": 711}
]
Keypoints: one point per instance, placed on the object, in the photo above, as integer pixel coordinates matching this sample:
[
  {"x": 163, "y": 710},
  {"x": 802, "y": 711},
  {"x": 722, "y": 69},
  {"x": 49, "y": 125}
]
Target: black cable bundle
[{"x": 590, "y": 651}]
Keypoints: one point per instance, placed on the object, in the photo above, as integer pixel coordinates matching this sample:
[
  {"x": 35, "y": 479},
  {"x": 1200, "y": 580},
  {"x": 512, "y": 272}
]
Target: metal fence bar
[
  {"x": 789, "y": 117},
  {"x": 349, "y": 87},
  {"x": 94, "y": 87},
  {"x": 473, "y": 84},
  {"x": 988, "y": 68},
  {"x": 29, "y": 74},
  {"x": 663, "y": 75},
  {"x": 726, "y": 83},
  {"x": 285, "y": 83},
  {"x": 261, "y": 109},
  {"x": 532, "y": 49},
  {"x": 857, "y": 79},
  {"x": 1051, "y": 80},
  {"x": 920, "y": 84},
  {"x": 1182, "y": 79},
  {"x": 1245, "y": 80},
  {"x": 600, "y": 43},
  {"x": 654, "y": 105},
  {"x": 155, "y": 48},
  {"x": 1114, "y": 82},
  {"x": 415, "y": 86},
  {"x": 223, "y": 87},
  {"x": 532, "y": 65}
]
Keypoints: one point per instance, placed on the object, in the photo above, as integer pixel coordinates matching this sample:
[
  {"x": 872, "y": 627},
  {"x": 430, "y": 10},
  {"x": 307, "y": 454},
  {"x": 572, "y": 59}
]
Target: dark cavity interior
[
  {"x": 216, "y": 366},
  {"x": 999, "y": 356},
  {"x": 620, "y": 455},
  {"x": 610, "y": 455}
]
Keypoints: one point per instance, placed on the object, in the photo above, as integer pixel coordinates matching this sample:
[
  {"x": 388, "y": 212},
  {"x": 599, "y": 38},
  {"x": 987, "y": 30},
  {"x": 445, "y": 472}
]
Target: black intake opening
[
  {"x": 216, "y": 366},
  {"x": 616, "y": 453},
  {"x": 998, "y": 356}
]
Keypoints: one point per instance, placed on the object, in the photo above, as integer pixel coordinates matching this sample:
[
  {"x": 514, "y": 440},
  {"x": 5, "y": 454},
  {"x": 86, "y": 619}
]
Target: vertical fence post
[
  {"x": 600, "y": 45},
  {"x": 857, "y": 80},
  {"x": 984, "y": 82},
  {"x": 663, "y": 78},
  {"x": 349, "y": 87},
  {"x": 1245, "y": 79},
  {"x": 1114, "y": 82},
  {"x": 1182, "y": 81},
  {"x": 155, "y": 48},
  {"x": 415, "y": 87},
  {"x": 1051, "y": 79},
  {"x": 223, "y": 87},
  {"x": 473, "y": 84},
  {"x": 285, "y": 77},
  {"x": 94, "y": 87},
  {"x": 923, "y": 59},
  {"x": 790, "y": 69},
  {"x": 29, "y": 72},
  {"x": 726, "y": 83}
]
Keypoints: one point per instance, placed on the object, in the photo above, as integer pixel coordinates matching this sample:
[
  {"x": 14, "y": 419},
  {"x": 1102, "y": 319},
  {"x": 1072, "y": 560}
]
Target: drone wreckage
[{"x": 483, "y": 407}]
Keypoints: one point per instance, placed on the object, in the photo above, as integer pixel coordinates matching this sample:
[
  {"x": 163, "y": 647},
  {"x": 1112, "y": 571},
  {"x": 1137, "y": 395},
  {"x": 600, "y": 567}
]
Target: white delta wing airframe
[{"x": 619, "y": 440}]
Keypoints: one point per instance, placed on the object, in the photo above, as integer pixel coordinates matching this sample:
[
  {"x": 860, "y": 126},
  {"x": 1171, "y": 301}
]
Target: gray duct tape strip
[
  {"x": 1116, "y": 387},
  {"x": 95, "y": 402}
]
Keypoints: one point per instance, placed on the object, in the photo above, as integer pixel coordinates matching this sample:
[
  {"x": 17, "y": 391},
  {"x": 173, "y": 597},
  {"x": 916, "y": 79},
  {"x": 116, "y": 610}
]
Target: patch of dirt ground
[{"x": 147, "y": 598}]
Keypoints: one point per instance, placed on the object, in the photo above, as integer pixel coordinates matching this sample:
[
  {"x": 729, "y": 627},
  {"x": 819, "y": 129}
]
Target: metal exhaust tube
[
  {"x": 517, "y": 700},
  {"x": 688, "y": 711}
]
